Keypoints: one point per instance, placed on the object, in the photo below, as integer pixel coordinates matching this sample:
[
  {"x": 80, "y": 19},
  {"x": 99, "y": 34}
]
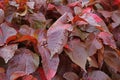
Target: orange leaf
[
  {"x": 77, "y": 18},
  {"x": 12, "y": 38},
  {"x": 27, "y": 38},
  {"x": 21, "y": 1},
  {"x": 6, "y": 1}
]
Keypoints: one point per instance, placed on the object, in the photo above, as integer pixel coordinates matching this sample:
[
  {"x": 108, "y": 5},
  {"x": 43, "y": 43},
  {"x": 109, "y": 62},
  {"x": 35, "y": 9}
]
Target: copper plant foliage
[{"x": 59, "y": 40}]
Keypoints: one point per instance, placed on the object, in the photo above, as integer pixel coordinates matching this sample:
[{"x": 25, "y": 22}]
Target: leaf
[
  {"x": 9, "y": 13},
  {"x": 116, "y": 33},
  {"x": 94, "y": 20},
  {"x": 27, "y": 38},
  {"x": 93, "y": 45},
  {"x": 7, "y": 52},
  {"x": 6, "y": 32},
  {"x": 29, "y": 77},
  {"x": 30, "y": 4},
  {"x": 24, "y": 60},
  {"x": 77, "y": 52},
  {"x": 112, "y": 59},
  {"x": 37, "y": 20},
  {"x": 57, "y": 35},
  {"x": 92, "y": 62},
  {"x": 71, "y": 76},
  {"x": 16, "y": 75},
  {"x": 50, "y": 65},
  {"x": 115, "y": 17},
  {"x": 26, "y": 30},
  {"x": 42, "y": 74},
  {"x": 63, "y": 9},
  {"x": 98, "y": 75},
  {"x": 107, "y": 39},
  {"x": 2, "y": 16}
]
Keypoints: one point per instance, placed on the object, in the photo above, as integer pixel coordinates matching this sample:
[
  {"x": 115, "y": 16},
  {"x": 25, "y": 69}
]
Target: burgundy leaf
[
  {"x": 93, "y": 44},
  {"x": 116, "y": 18},
  {"x": 2, "y": 73},
  {"x": 30, "y": 4},
  {"x": 71, "y": 76},
  {"x": 26, "y": 30},
  {"x": 112, "y": 59},
  {"x": 49, "y": 64},
  {"x": 57, "y": 35},
  {"x": 17, "y": 74},
  {"x": 7, "y": 52},
  {"x": 62, "y": 9},
  {"x": 94, "y": 20},
  {"x": 98, "y": 75},
  {"x": 1, "y": 16},
  {"x": 24, "y": 60},
  {"x": 107, "y": 39},
  {"x": 77, "y": 52}
]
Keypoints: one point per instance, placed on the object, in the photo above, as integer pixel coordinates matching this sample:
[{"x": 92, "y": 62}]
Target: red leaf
[
  {"x": 24, "y": 60},
  {"x": 2, "y": 16},
  {"x": 42, "y": 74},
  {"x": 7, "y": 52},
  {"x": 93, "y": 45},
  {"x": 77, "y": 52},
  {"x": 107, "y": 39},
  {"x": 29, "y": 77},
  {"x": 27, "y": 38},
  {"x": 57, "y": 35},
  {"x": 5, "y": 33},
  {"x": 98, "y": 75},
  {"x": 71, "y": 76},
  {"x": 112, "y": 59},
  {"x": 49, "y": 64}
]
